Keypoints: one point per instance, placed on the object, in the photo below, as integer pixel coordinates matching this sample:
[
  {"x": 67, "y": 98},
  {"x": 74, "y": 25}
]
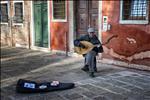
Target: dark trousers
[{"x": 95, "y": 64}]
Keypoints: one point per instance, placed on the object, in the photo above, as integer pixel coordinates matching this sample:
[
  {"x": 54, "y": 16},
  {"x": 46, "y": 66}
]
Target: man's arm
[
  {"x": 77, "y": 41},
  {"x": 99, "y": 48},
  {"x": 95, "y": 41}
]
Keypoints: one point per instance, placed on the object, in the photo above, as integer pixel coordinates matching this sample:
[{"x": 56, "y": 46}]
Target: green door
[{"x": 41, "y": 23}]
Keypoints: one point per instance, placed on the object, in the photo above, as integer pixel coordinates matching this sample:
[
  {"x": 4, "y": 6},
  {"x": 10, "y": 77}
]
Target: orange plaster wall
[
  {"x": 58, "y": 32},
  {"x": 121, "y": 45}
]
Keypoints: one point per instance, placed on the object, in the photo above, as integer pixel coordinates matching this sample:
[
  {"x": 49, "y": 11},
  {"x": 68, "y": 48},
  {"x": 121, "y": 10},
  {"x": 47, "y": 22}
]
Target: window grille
[
  {"x": 59, "y": 9},
  {"x": 135, "y": 9},
  {"x": 4, "y": 12},
  {"x": 18, "y": 18}
]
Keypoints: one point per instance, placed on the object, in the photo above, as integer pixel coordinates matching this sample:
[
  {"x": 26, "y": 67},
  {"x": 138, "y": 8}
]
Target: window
[
  {"x": 59, "y": 10},
  {"x": 18, "y": 12},
  {"x": 138, "y": 10},
  {"x": 4, "y": 12},
  {"x": 134, "y": 12}
]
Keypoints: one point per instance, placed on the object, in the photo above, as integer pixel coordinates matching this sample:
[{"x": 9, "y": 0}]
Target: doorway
[
  {"x": 86, "y": 16},
  {"x": 40, "y": 24}
]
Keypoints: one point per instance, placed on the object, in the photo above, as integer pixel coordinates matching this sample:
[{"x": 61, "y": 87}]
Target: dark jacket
[{"x": 94, "y": 40}]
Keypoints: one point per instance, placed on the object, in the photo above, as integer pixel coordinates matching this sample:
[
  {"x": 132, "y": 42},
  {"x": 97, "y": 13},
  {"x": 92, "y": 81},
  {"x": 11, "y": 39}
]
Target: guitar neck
[{"x": 96, "y": 45}]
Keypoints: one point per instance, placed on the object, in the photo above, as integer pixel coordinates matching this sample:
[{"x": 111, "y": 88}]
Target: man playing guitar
[{"x": 90, "y": 56}]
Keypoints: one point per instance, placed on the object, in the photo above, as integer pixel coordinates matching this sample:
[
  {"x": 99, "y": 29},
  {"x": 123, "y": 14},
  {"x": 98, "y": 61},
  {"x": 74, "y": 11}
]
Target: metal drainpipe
[
  {"x": 29, "y": 39},
  {"x": 28, "y": 29}
]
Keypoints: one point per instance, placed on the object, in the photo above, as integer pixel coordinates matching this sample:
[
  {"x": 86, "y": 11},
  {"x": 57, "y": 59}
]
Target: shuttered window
[
  {"x": 135, "y": 9},
  {"x": 59, "y": 9},
  {"x": 18, "y": 10},
  {"x": 4, "y": 12}
]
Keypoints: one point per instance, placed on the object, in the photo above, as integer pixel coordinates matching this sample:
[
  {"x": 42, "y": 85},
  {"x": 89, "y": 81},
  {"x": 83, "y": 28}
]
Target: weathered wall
[
  {"x": 58, "y": 31},
  {"x": 133, "y": 41},
  {"x": 5, "y": 37},
  {"x": 17, "y": 35}
]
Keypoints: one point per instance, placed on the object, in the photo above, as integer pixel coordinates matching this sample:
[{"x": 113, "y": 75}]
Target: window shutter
[
  {"x": 18, "y": 13},
  {"x": 59, "y": 9},
  {"x": 135, "y": 9},
  {"x": 4, "y": 12}
]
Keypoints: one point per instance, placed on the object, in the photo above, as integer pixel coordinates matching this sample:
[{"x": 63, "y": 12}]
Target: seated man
[{"x": 90, "y": 57}]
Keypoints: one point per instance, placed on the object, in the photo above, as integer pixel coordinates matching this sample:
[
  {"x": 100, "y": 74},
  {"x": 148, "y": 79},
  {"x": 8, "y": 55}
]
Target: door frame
[
  {"x": 33, "y": 30},
  {"x": 100, "y": 23},
  {"x": 72, "y": 26},
  {"x": 100, "y": 20}
]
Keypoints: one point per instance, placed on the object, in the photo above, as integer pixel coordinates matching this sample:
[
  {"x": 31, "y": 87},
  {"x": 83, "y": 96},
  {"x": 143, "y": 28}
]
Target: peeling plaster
[
  {"x": 140, "y": 55},
  {"x": 131, "y": 40},
  {"x": 128, "y": 65}
]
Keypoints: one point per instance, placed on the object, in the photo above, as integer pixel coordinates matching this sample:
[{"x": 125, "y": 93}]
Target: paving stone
[
  {"x": 133, "y": 82},
  {"x": 145, "y": 78},
  {"x": 129, "y": 73},
  {"x": 136, "y": 97},
  {"x": 144, "y": 73},
  {"x": 100, "y": 98},
  {"x": 5, "y": 98},
  {"x": 19, "y": 98},
  {"x": 54, "y": 97},
  {"x": 118, "y": 90},
  {"x": 147, "y": 95},
  {"x": 109, "y": 87},
  {"x": 102, "y": 84},
  {"x": 112, "y": 96},
  {"x": 105, "y": 77},
  {"x": 73, "y": 96},
  {"x": 90, "y": 94},
  {"x": 41, "y": 97},
  {"x": 116, "y": 83},
  {"x": 87, "y": 81},
  {"x": 139, "y": 80},
  {"x": 99, "y": 79},
  {"x": 78, "y": 89},
  {"x": 83, "y": 98},
  {"x": 95, "y": 90},
  {"x": 134, "y": 90},
  {"x": 115, "y": 75}
]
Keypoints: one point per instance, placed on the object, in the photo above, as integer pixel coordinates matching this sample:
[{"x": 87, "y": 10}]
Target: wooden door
[
  {"x": 41, "y": 23},
  {"x": 86, "y": 16},
  {"x": 93, "y": 14},
  {"x": 45, "y": 24}
]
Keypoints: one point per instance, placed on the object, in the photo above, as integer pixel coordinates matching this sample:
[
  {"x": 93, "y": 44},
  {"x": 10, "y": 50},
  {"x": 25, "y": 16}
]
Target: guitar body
[{"x": 89, "y": 46}]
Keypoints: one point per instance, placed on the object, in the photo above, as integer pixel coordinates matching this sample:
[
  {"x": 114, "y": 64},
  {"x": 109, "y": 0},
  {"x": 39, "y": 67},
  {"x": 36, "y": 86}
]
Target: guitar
[{"x": 89, "y": 46}]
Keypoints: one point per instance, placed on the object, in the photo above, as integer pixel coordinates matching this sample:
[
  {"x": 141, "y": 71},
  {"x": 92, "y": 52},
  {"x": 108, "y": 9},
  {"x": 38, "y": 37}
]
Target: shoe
[
  {"x": 92, "y": 74},
  {"x": 95, "y": 70},
  {"x": 85, "y": 68}
]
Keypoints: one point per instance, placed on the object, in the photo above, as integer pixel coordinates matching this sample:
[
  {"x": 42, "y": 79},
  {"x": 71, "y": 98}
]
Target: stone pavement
[{"x": 111, "y": 82}]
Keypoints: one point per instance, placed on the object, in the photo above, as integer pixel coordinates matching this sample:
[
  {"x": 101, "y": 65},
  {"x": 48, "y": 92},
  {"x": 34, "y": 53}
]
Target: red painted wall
[
  {"x": 120, "y": 45},
  {"x": 58, "y": 32}
]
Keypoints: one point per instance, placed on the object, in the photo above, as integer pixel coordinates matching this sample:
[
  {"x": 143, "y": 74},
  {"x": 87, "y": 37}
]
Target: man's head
[{"x": 91, "y": 31}]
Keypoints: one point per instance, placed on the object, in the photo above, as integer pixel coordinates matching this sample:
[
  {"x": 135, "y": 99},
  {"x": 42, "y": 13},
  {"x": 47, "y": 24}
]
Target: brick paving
[{"x": 111, "y": 82}]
